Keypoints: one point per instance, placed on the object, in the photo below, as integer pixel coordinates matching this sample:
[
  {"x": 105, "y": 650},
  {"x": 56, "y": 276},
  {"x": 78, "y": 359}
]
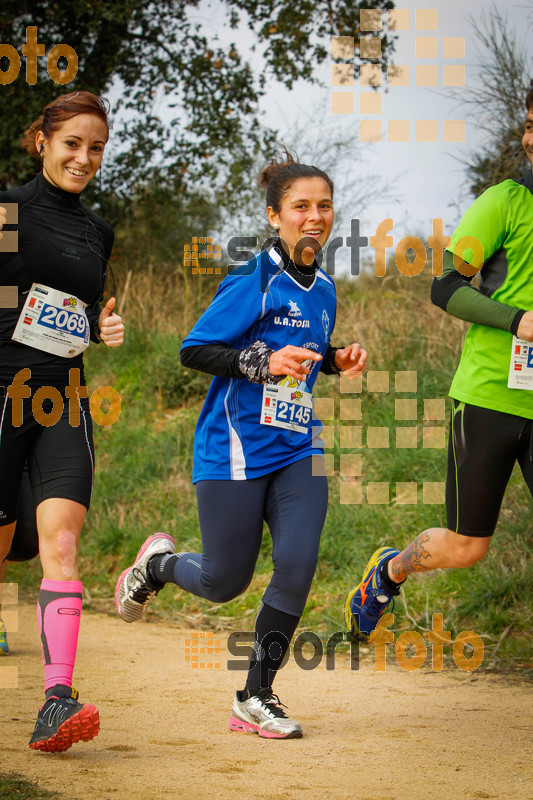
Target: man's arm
[{"x": 453, "y": 293}]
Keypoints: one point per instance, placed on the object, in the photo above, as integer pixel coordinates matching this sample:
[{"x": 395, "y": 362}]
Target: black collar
[
  {"x": 54, "y": 193},
  {"x": 527, "y": 180},
  {"x": 303, "y": 274}
]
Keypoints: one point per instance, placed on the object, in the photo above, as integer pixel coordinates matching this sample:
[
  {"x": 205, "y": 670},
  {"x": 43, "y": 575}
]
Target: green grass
[
  {"x": 14, "y": 787},
  {"x": 144, "y": 465}
]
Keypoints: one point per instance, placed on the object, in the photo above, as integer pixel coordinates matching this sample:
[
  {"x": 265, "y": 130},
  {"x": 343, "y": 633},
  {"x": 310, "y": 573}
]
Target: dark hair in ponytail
[{"x": 279, "y": 175}]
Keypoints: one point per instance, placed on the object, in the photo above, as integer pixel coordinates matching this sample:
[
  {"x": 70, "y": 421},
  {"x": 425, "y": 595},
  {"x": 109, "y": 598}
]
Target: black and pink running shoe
[{"x": 62, "y": 721}]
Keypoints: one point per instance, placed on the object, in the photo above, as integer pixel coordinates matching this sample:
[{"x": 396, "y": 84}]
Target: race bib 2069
[{"x": 53, "y": 321}]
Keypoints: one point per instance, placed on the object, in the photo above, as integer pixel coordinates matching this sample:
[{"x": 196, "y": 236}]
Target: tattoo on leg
[{"x": 413, "y": 559}]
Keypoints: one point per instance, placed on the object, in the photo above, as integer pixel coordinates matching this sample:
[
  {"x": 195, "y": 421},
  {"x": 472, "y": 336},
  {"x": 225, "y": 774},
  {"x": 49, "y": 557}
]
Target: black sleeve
[
  {"x": 94, "y": 309},
  {"x": 93, "y": 312},
  {"x": 215, "y": 359},
  {"x": 327, "y": 365},
  {"x": 444, "y": 287},
  {"x": 223, "y": 361}
]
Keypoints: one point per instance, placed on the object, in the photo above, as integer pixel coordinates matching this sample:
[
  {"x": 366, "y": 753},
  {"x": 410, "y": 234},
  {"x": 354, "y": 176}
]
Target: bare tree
[{"x": 496, "y": 102}]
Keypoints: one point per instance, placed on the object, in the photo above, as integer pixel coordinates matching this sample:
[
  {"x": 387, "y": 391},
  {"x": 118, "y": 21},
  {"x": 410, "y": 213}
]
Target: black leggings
[
  {"x": 25, "y": 543},
  {"x": 483, "y": 448},
  {"x": 59, "y": 458},
  {"x": 293, "y": 501}
]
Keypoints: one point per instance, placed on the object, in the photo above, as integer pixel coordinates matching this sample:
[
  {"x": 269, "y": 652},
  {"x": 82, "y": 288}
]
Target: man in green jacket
[{"x": 492, "y": 402}]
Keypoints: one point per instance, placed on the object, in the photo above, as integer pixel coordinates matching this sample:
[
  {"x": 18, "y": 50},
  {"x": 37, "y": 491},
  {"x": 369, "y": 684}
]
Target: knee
[
  {"x": 296, "y": 578},
  {"x": 62, "y": 548},
  {"x": 225, "y": 588},
  {"x": 466, "y": 550},
  {"x": 221, "y": 595}
]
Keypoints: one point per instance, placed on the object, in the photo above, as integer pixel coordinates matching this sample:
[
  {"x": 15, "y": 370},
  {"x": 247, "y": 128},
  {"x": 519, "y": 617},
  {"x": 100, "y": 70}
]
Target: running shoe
[
  {"x": 135, "y": 588},
  {"x": 262, "y": 713},
  {"x": 366, "y": 604},
  {"x": 62, "y": 721},
  {"x": 4, "y": 647}
]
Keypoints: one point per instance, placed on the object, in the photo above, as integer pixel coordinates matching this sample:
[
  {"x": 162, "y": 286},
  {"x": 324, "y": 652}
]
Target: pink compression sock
[{"x": 58, "y": 617}]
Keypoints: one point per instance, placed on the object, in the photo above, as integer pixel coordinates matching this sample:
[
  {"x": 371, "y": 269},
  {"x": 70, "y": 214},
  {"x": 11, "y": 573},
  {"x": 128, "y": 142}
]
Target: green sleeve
[{"x": 484, "y": 221}]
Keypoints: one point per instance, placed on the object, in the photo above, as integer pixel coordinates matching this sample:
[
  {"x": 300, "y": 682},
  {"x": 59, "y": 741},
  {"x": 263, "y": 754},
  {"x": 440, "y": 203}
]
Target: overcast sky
[
  {"x": 425, "y": 177},
  {"x": 412, "y": 181}
]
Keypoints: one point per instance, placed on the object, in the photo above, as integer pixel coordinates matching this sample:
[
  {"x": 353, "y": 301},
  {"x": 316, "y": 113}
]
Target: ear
[
  {"x": 273, "y": 217},
  {"x": 39, "y": 141}
]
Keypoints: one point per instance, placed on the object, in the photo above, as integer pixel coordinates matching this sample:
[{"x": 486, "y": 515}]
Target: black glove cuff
[{"x": 334, "y": 368}]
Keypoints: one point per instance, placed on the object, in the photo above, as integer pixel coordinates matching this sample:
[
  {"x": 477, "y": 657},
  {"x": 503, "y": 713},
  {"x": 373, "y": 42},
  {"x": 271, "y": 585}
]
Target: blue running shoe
[
  {"x": 366, "y": 604},
  {"x": 4, "y": 647}
]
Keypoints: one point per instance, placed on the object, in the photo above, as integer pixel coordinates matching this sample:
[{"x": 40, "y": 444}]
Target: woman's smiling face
[
  {"x": 73, "y": 153},
  {"x": 306, "y": 211}
]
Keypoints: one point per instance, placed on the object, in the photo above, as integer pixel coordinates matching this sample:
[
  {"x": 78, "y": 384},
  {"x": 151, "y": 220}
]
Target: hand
[
  {"x": 288, "y": 361},
  {"x": 351, "y": 359},
  {"x": 110, "y": 324},
  {"x": 525, "y": 327},
  {"x": 3, "y": 218}
]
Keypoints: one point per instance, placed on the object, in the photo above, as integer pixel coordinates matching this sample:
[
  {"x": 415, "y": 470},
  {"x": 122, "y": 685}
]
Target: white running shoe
[
  {"x": 135, "y": 588},
  {"x": 262, "y": 713}
]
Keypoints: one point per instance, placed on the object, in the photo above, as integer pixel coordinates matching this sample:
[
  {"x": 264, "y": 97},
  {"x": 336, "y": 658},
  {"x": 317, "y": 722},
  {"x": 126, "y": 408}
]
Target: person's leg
[
  {"x": 61, "y": 720},
  {"x": 14, "y": 443},
  {"x": 61, "y": 469},
  {"x": 295, "y": 511},
  {"x": 61, "y": 473},
  {"x": 59, "y": 523},
  {"x": 25, "y": 544},
  {"x": 6, "y": 536},
  {"x": 437, "y": 548},
  {"x": 231, "y": 525},
  {"x": 525, "y": 456},
  {"x": 483, "y": 447},
  {"x": 4, "y": 647}
]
